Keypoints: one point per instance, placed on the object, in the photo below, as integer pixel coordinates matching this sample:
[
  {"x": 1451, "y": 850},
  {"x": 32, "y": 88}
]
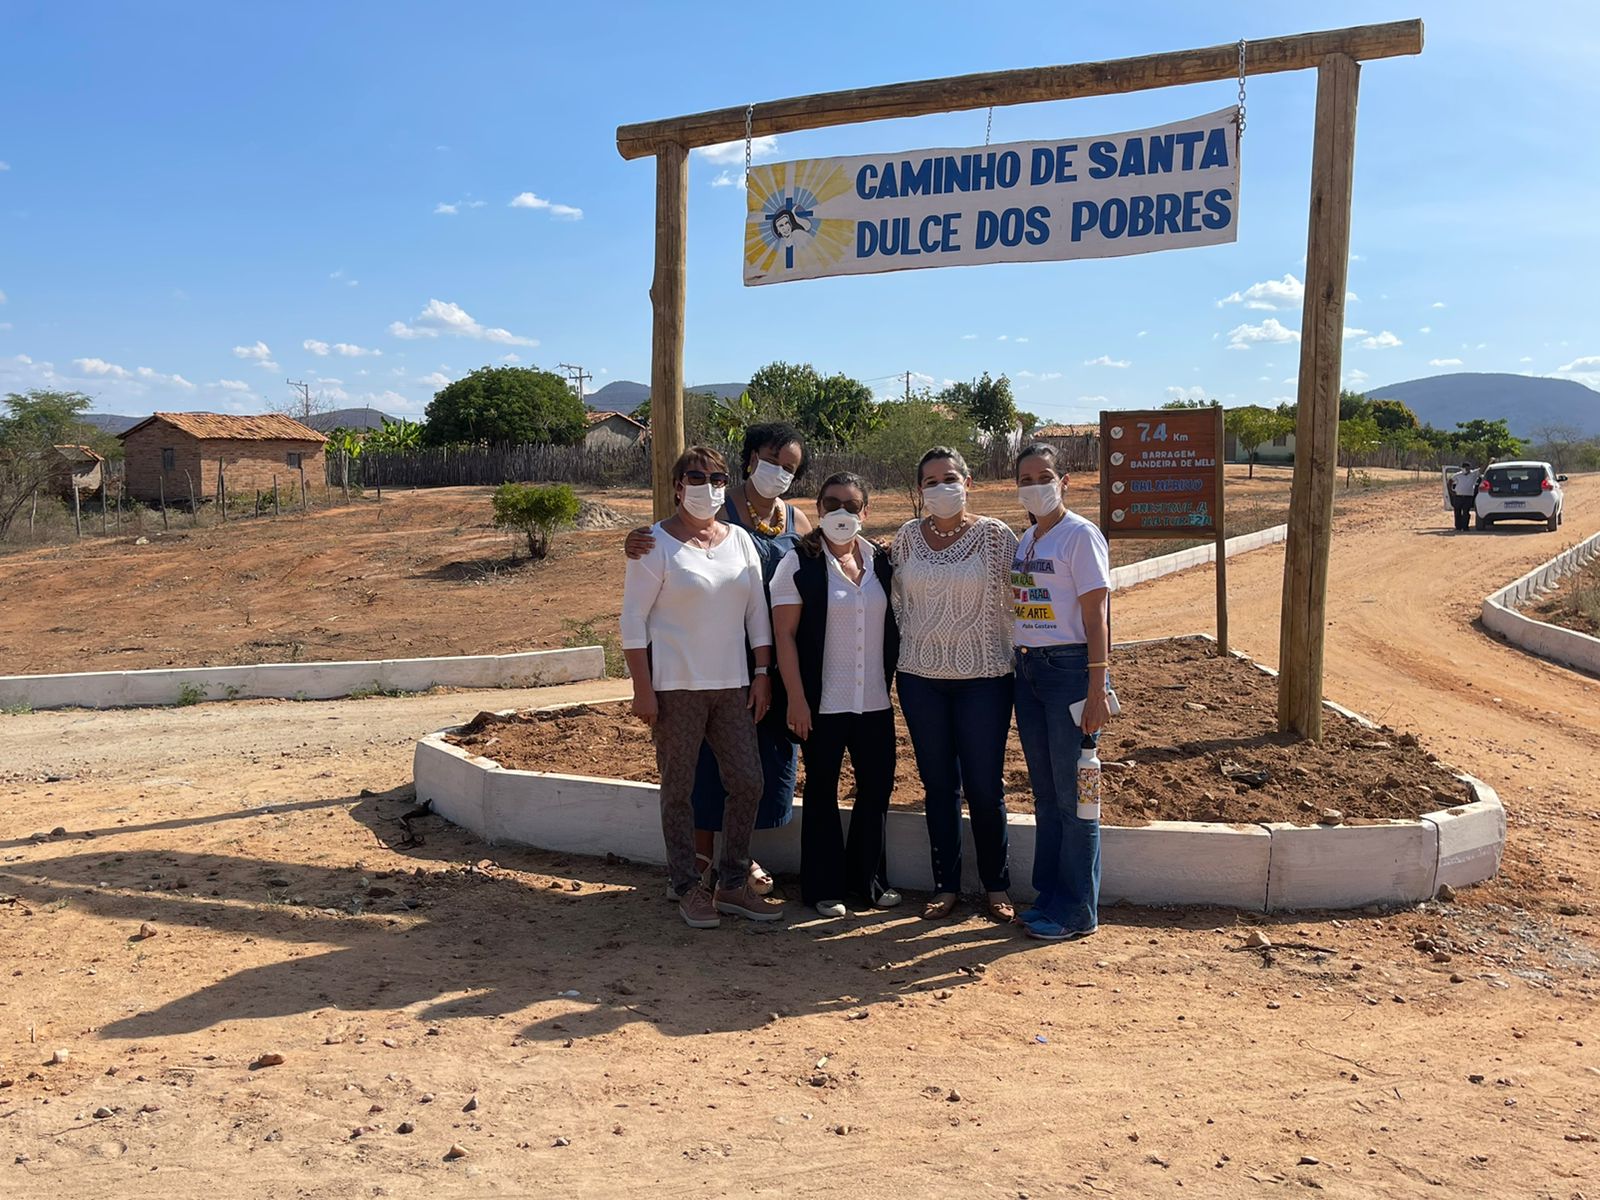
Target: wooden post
[
  {"x": 33, "y": 511},
  {"x": 222, "y": 488},
  {"x": 276, "y": 511},
  {"x": 77, "y": 512},
  {"x": 161, "y": 492},
  {"x": 667, "y": 297},
  {"x": 1222, "y": 543},
  {"x": 118, "y": 500},
  {"x": 1305, "y": 568},
  {"x": 305, "y": 504},
  {"x": 105, "y": 522},
  {"x": 194, "y": 508}
]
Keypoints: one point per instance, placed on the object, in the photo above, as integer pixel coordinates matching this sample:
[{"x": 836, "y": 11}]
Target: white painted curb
[
  {"x": 1266, "y": 867},
  {"x": 1566, "y": 646},
  {"x": 300, "y": 681},
  {"x": 1196, "y": 556}
]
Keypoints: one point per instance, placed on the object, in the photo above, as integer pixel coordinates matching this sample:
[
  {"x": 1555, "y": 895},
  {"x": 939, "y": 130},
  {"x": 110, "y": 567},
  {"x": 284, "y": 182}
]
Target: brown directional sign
[{"x": 1161, "y": 473}]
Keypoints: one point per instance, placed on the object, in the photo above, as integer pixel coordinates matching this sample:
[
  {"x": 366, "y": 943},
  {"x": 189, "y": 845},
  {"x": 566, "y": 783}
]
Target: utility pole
[
  {"x": 908, "y": 385},
  {"x": 576, "y": 376},
  {"x": 305, "y": 397}
]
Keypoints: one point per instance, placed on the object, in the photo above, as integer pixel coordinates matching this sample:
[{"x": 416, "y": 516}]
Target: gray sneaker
[{"x": 697, "y": 909}]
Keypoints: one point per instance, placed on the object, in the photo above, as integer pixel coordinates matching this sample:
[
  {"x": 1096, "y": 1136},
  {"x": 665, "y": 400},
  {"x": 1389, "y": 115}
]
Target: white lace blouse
[{"x": 954, "y": 605}]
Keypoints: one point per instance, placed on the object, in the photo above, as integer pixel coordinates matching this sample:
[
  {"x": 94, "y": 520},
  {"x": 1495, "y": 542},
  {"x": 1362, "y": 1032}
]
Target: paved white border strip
[
  {"x": 1196, "y": 556},
  {"x": 1567, "y": 646},
  {"x": 1262, "y": 867},
  {"x": 300, "y": 681}
]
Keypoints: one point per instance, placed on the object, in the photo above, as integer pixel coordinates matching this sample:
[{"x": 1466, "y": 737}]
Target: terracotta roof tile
[{"x": 224, "y": 427}]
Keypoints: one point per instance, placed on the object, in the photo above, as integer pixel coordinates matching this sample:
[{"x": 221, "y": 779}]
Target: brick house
[
  {"x": 613, "y": 431},
  {"x": 77, "y": 467},
  {"x": 164, "y": 453}
]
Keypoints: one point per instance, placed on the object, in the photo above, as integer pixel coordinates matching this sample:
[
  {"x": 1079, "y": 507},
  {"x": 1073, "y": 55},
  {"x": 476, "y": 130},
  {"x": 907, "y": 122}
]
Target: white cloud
[
  {"x": 969, "y": 337},
  {"x": 1046, "y": 377},
  {"x": 1444, "y": 362},
  {"x": 563, "y": 211},
  {"x": 23, "y": 359},
  {"x": 257, "y": 354},
  {"x": 1242, "y": 337},
  {"x": 512, "y": 358},
  {"x": 1105, "y": 360},
  {"x": 1524, "y": 359},
  {"x": 2, "y": 297},
  {"x": 151, "y": 376},
  {"x": 318, "y": 348},
  {"x": 1584, "y": 369},
  {"x": 441, "y": 316},
  {"x": 1020, "y": 339},
  {"x": 437, "y": 379},
  {"x": 232, "y": 385},
  {"x": 1438, "y": 304},
  {"x": 1356, "y": 376},
  {"x": 345, "y": 349},
  {"x": 1381, "y": 341},
  {"x": 1350, "y": 331},
  {"x": 442, "y": 209},
  {"x": 339, "y": 275},
  {"x": 1351, "y": 298},
  {"x": 1186, "y": 393},
  {"x": 1003, "y": 338},
  {"x": 1092, "y": 400},
  {"x": 1271, "y": 294},
  {"x": 732, "y": 153},
  {"x": 4, "y": 166},
  {"x": 99, "y": 366},
  {"x": 728, "y": 179},
  {"x": 1426, "y": 329},
  {"x": 1143, "y": 333}
]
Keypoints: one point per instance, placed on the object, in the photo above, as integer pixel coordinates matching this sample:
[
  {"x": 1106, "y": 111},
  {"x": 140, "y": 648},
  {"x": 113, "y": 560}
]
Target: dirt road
[{"x": 614, "y": 1053}]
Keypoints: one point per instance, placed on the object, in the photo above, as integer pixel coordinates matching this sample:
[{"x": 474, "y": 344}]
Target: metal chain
[
  {"x": 988, "y": 126},
  {"x": 750, "y": 109},
  {"x": 1241, "y": 86}
]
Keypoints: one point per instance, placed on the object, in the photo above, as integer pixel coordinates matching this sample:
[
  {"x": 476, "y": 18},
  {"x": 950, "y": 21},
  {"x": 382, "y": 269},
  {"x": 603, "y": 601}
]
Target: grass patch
[
  {"x": 584, "y": 633},
  {"x": 17, "y": 710},
  {"x": 190, "y": 693},
  {"x": 371, "y": 690}
]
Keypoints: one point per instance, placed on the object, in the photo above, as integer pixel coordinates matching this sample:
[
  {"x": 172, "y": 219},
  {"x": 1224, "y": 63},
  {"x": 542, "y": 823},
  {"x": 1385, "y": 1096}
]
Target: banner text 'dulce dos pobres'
[{"x": 1127, "y": 193}]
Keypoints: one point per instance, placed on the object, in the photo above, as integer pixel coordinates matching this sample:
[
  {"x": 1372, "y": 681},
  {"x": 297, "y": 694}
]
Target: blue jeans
[
  {"x": 1066, "y": 852},
  {"x": 958, "y": 731}
]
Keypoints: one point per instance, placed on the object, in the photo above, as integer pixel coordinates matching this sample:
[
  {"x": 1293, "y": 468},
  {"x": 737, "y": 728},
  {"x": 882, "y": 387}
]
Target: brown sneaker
[
  {"x": 697, "y": 910},
  {"x": 746, "y": 902}
]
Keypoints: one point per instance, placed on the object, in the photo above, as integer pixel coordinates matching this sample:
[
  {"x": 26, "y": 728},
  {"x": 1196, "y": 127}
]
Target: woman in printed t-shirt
[
  {"x": 952, "y": 595},
  {"x": 1060, "y": 582}
]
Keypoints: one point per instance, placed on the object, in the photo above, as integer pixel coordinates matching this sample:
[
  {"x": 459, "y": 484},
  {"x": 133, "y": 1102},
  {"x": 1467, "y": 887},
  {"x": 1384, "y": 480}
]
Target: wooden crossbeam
[{"x": 1026, "y": 86}]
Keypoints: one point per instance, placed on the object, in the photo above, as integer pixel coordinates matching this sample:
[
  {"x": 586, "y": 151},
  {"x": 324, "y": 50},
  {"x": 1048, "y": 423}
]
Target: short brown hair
[{"x": 703, "y": 456}]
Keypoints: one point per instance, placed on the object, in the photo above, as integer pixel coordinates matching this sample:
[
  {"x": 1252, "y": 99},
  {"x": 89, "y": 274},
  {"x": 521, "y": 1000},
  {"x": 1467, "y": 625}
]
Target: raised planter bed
[{"x": 1272, "y": 858}]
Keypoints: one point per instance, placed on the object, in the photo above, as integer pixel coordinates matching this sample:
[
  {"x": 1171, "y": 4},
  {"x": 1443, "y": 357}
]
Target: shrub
[{"x": 535, "y": 512}]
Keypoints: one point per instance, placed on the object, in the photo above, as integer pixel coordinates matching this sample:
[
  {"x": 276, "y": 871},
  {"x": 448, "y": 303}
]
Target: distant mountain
[
  {"x": 358, "y": 419},
  {"x": 1527, "y": 402},
  {"x": 110, "y": 422},
  {"x": 624, "y": 395}
]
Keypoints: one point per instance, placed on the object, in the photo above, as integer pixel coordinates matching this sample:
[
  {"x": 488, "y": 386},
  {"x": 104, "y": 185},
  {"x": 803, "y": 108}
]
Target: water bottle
[{"x": 1089, "y": 782}]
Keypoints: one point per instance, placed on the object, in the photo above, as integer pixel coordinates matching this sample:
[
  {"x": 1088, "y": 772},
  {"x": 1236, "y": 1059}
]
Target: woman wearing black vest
[{"x": 837, "y": 647}]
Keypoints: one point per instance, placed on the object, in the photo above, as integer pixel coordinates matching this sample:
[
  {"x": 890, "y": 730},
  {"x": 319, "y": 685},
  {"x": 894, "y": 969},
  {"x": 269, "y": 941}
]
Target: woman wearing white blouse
[
  {"x": 687, "y": 608},
  {"x": 837, "y": 644},
  {"x": 952, "y": 595}
]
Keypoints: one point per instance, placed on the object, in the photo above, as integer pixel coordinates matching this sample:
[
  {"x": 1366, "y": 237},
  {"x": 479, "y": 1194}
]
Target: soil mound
[{"x": 593, "y": 515}]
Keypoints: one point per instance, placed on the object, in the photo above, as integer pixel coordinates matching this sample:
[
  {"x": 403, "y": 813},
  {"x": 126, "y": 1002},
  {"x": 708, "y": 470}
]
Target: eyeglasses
[
  {"x": 718, "y": 478},
  {"x": 830, "y": 504}
]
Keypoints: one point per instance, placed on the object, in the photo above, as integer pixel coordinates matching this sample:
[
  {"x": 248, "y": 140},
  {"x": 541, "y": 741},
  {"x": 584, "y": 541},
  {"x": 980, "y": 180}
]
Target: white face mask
[
  {"x": 946, "y": 500},
  {"x": 840, "y": 527},
  {"x": 770, "y": 479},
  {"x": 702, "y": 501},
  {"x": 1040, "y": 499}
]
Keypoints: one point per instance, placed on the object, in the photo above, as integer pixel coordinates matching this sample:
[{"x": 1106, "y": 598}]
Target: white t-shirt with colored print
[{"x": 1050, "y": 573}]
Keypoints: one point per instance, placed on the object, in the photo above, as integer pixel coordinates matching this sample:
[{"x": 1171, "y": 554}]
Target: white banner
[{"x": 1125, "y": 193}]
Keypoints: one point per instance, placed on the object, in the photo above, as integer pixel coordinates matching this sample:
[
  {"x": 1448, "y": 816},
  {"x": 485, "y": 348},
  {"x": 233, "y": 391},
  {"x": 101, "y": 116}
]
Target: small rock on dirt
[
  {"x": 270, "y": 1059},
  {"x": 1331, "y": 816},
  {"x": 456, "y": 1151},
  {"x": 471, "y": 1105},
  {"x": 1446, "y": 892},
  {"x": 59, "y": 1057},
  {"x": 561, "y": 1141},
  {"x": 101, "y": 1113},
  {"x": 1196, "y": 706},
  {"x": 405, "y": 1127},
  {"x": 1309, "y": 1160},
  {"x": 59, "y": 831},
  {"x": 1255, "y": 939}
]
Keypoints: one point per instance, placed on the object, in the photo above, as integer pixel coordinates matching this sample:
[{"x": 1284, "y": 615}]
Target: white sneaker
[
  {"x": 888, "y": 898},
  {"x": 831, "y": 908}
]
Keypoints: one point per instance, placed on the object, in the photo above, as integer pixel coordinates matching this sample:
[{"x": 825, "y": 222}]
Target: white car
[{"x": 1519, "y": 491}]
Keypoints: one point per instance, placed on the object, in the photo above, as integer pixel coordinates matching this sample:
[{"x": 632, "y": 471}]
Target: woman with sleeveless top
[
  {"x": 952, "y": 596},
  {"x": 774, "y": 459},
  {"x": 837, "y": 645}
]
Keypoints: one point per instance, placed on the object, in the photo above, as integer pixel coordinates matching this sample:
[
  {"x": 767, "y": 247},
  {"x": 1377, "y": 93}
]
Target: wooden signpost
[
  {"x": 1161, "y": 477},
  {"x": 1334, "y": 54}
]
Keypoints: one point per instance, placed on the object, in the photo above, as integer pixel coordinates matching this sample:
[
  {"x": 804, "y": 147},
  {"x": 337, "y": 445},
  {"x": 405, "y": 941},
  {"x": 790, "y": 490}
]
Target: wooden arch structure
[{"x": 1334, "y": 54}]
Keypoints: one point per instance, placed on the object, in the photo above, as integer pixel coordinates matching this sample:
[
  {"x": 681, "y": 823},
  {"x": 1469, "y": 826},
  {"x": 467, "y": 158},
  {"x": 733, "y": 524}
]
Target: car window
[{"x": 1515, "y": 481}]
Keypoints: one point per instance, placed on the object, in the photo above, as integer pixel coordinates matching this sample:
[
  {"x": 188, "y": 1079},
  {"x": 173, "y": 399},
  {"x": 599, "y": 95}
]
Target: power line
[{"x": 576, "y": 376}]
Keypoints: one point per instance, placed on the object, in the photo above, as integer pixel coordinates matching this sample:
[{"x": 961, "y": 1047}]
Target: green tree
[
  {"x": 907, "y": 428},
  {"x": 395, "y": 435},
  {"x": 34, "y": 423},
  {"x": 1487, "y": 440},
  {"x": 1393, "y": 415},
  {"x": 346, "y": 445},
  {"x": 988, "y": 403},
  {"x": 782, "y": 389},
  {"x": 535, "y": 512},
  {"x": 1353, "y": 404},
  {"x": 497, "y": 405},
  {"x": 697, "y": 408},
  {"x": 1176, "y": 404},
  {"x": 835, "y": 408},
  {"x": 1358, "y": 437},
  {"x": 1252, "y": 426}
]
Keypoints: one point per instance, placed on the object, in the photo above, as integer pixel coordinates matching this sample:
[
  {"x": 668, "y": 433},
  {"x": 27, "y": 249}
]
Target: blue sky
[{"x": 198, "y": 201}]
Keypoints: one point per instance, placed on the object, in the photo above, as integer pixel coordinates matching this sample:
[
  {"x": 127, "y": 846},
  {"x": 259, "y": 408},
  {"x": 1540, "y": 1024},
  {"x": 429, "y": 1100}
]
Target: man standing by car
[{"x": 1463, "y": 487}]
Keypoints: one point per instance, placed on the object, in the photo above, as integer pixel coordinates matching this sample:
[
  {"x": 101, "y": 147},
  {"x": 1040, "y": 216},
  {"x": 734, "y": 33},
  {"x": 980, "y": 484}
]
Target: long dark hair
[{"x": 811, "y": 544}]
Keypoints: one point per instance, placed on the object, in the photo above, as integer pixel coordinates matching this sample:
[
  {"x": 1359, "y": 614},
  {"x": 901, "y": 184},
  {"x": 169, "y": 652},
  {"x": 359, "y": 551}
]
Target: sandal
[
  {"x": 1001, "y": 911},
  {"x": 761, "y": 883},
  {"x": 939, "y": 907}
]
